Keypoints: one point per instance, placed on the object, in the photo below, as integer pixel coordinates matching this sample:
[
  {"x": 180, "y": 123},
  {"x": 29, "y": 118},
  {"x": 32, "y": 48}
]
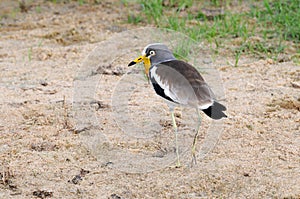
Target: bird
[{"x": 180, "y": 84}]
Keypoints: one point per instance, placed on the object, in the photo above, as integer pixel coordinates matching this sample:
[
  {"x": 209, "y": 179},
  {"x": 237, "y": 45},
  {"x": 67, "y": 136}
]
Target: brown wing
[{"x": 181, "y": 83}]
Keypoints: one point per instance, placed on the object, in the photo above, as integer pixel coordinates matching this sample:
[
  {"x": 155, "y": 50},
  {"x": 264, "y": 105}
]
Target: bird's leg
[
  {"x": 195, "y": 138},
  {"x": 176, "y": 136}
]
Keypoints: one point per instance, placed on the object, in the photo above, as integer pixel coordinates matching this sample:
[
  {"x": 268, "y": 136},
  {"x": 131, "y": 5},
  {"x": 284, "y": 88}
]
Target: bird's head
[{"x": 153, "y": 54}]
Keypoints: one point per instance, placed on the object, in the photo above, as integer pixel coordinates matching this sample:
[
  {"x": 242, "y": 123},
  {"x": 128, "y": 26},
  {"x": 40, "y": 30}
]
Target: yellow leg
[
  {"x": 195, "y": 139},
  {"x": 176, "y": 137}
]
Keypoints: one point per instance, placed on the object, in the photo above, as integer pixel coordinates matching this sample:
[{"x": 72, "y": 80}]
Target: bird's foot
[
  {"x": 178, "y": 164},
  {"x": 194, "y": 159}
]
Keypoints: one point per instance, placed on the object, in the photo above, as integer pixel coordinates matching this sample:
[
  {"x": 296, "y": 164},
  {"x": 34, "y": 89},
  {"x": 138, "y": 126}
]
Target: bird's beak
[
  {"x": 146, "y": 61},
  {"x": 137, "y": 60}
]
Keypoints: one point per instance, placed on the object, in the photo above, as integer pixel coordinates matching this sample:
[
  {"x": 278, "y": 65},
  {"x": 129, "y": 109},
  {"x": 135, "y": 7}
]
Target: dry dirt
[{"x": 48, "y": 149}]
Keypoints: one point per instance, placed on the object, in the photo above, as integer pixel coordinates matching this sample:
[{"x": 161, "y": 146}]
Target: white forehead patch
[{"x": 144, "y": 51}]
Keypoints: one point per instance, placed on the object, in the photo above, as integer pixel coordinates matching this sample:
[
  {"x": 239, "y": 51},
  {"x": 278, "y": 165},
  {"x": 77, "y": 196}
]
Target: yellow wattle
[{"x": 147, "y": 65}]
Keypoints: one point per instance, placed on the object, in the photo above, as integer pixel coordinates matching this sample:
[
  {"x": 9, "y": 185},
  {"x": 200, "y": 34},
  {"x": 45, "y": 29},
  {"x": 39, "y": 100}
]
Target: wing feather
[{"x": 181, "y": 83}]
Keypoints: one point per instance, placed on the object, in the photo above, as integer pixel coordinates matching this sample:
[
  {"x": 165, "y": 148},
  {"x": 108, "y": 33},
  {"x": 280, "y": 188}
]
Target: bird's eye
[{"x": 152, "y": 52}]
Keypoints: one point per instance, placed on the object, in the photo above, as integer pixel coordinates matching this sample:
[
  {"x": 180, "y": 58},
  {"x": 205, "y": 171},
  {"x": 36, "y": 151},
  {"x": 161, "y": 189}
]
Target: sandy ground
[{"x": 75, "y": 128}]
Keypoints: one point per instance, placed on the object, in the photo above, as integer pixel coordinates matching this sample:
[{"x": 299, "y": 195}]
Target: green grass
[
  {"x": 153, "y": 10},
  {"x": 80, "y": 2},
  {"x": 133, "y": 19},
  {"x": 29, "y": 54},
  {"x": 274, "y": 22},
  {"x": 182, "y": 50},
  {"x": 281, "y": 17}
]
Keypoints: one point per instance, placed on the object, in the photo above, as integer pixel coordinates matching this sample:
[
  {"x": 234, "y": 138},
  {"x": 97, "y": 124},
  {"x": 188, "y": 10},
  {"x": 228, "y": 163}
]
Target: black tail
[{"x": 215, "y": 111}]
